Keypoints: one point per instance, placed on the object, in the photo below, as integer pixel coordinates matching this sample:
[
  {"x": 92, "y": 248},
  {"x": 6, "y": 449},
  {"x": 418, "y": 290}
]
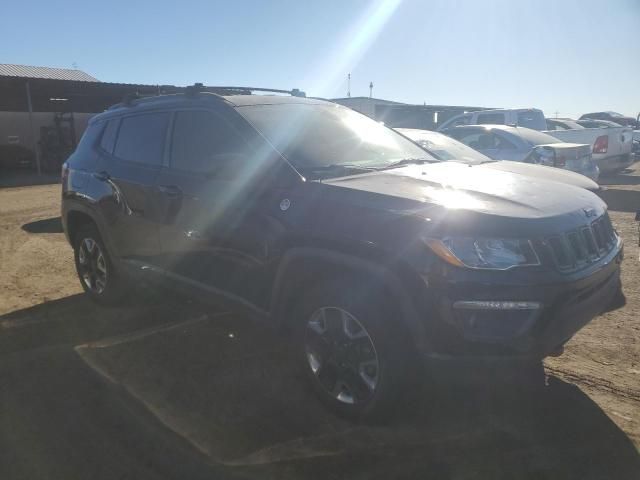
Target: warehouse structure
[{"x": 43, "y": 111}]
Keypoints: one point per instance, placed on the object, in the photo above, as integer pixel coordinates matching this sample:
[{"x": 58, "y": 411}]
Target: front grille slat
[
  {"x": 589, "y": 241},
  {"x": 578, "y": 248}
]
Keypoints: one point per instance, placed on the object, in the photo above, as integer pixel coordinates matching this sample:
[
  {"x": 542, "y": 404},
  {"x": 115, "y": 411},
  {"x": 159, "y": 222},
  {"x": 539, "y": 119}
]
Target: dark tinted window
[
  {"x": 90, "y": 136},
  {"x": 109, "y": 135},
  {"x": 492, "y": 118},
  {"x": 85, "y": 155},
  {"x": 202, "y": 140},
  {"x": 141, "y": 138}
]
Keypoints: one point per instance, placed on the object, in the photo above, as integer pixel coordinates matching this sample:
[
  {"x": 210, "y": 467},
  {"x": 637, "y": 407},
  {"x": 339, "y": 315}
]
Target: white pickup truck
[{"x": 611, "y": 146}]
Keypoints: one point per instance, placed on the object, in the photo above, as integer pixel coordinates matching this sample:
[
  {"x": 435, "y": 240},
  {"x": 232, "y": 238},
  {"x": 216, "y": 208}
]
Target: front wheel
[{"x": 353, "y": 350}]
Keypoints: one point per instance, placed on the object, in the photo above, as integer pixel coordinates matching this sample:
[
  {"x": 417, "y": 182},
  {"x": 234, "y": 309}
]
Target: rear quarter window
[
  {"x": 108, "y": 140},
  {"x": 85, "y": 155}
]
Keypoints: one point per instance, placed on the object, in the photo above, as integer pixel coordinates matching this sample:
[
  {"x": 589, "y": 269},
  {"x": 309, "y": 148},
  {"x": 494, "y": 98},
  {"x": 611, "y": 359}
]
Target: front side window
[
  {"x": 313, "y": 136},
  {"x": 141, "y": 138},
  {"x": 202, "y": 140}
]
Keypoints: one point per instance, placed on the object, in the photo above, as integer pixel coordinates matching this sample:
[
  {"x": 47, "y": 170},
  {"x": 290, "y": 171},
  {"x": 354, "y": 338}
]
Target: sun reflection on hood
[{"x": 451, "y": 198}]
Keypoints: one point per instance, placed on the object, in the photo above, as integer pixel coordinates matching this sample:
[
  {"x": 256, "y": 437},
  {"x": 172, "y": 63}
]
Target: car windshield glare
[{"x": 314, "y": 137}]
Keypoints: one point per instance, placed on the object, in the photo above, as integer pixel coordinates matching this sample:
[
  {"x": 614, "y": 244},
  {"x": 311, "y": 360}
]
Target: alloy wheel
[
  {"x": 342, "y": 355},
  {"x": 92, "y": 265}
]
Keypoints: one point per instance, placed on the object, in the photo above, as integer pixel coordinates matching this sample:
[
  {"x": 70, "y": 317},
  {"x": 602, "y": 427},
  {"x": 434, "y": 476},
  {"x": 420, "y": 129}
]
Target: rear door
[{"x": 133, "y": 149}]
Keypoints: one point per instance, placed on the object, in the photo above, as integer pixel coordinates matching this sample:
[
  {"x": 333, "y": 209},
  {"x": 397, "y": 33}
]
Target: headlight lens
[{"x": 485, "y": 253}]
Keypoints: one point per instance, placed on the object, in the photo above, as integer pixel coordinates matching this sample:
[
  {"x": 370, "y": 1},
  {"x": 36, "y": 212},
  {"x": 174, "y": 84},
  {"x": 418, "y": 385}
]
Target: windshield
[
  {"x": 319, "y": 136},
  {"x": 443, "y": 147}
]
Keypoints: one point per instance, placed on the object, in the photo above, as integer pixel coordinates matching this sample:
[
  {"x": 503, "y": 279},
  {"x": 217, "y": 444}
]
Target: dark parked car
[
  {"x": 612, "y": 117},
  {"x": 314, "y": 217}
]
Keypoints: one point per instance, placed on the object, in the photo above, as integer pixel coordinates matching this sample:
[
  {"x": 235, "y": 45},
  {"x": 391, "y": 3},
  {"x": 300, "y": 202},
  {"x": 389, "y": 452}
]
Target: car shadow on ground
[
  {"x": 75, "y": 319},
  {"x": 621, "y": 200},
  {"x": 235, "y": 391},
  {"x": 48, "y": 225}
]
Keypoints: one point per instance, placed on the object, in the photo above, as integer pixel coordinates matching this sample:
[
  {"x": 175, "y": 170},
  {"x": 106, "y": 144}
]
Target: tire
[
  {"x": 99, "y": 278},
  {"x": 372, "y": 337}
]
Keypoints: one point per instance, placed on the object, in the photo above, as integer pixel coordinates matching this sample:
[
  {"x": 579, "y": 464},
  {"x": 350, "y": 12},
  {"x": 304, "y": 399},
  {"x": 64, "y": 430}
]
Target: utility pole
[
  {"x": 370, "y": 89},
  {"x": 348, "y": 85},
  {"x": 32, "y": 133},
  {"x": 556, "y": 112}
]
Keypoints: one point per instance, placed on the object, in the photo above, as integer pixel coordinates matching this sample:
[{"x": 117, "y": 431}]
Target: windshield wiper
[
  {"x": 338, "y": 166},
  {"x": 409, "y": 161}
]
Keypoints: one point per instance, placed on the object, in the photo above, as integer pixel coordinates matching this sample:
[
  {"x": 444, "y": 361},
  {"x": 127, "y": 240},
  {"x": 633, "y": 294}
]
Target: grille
[{"x": 578, "y": 248}]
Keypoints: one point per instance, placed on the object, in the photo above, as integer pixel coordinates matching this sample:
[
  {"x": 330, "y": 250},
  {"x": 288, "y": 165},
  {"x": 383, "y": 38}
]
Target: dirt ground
[{"x": 599, "y": 372}]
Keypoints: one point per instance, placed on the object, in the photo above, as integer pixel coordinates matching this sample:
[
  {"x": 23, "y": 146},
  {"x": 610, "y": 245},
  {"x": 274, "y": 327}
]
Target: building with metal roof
[
  {"x": 44, "y": 111},
  {"x": 50, "y": 73}
]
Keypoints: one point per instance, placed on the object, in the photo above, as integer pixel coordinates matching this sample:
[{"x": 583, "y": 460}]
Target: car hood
[
  {"x": 544, "y": 173},
  {"x": 477, "y": 188}
]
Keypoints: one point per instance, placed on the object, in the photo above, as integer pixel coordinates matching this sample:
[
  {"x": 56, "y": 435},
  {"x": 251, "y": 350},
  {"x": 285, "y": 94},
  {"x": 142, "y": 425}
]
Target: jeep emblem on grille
[{"x": 589, "y": 212}]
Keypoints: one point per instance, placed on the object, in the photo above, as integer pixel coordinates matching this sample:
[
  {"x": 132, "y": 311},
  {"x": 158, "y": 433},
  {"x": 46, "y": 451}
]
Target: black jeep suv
[{"x": 314, "y": 217}]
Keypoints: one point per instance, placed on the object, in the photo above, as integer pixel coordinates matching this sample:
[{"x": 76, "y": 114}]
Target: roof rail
[
  {"x": 196, "y": 88},
  {"x": 230, "y": 90}
]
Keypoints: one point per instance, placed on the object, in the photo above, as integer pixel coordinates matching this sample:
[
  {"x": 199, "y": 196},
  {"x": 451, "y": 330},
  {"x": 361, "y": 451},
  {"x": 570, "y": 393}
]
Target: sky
[{"x": 566, "y": 57}]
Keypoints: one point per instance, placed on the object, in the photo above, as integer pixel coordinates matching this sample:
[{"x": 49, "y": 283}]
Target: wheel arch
[
  {"x": 302, "y": 266},
  {"x": 76, "y": 220},
  {"x": 75, "y": 215}
]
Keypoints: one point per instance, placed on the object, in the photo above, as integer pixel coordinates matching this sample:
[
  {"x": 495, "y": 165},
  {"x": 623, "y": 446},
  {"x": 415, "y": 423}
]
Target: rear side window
[
  {"x": 141, "y": 138},
  {"x": 109, "y": 136},
  {"x": 491, "y": 118},
  {"x": 203, "y": 140}
]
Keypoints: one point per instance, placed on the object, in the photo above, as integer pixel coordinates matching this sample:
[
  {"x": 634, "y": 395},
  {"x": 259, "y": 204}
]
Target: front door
[{"x": 216, "y": 227}]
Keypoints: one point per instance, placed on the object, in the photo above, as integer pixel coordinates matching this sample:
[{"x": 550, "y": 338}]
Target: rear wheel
[
  {"x": 352, "y": 350},
  {"x": 97, "y": 273}
]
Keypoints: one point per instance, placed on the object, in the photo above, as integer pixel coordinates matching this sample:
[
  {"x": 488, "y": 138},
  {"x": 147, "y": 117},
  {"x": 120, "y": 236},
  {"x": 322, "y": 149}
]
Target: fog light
[{"x": 496, "y": 305}]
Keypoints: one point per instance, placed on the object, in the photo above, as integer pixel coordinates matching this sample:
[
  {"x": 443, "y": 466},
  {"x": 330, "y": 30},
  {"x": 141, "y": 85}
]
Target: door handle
[
  {"x": 171, "y": 191},
  {"x": 102, "y": 176}
]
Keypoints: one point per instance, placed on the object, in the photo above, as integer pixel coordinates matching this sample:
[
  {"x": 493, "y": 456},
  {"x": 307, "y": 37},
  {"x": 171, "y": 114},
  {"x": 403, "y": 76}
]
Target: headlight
[{"x": 485, "y": 253}]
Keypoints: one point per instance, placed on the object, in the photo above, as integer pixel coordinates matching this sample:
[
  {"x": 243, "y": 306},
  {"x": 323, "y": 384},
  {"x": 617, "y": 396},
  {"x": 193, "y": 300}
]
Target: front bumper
[{"x": 564, "y": 308}]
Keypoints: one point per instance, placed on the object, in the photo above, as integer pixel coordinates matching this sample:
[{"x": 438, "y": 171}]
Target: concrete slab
[{"x": 229, "y": 386}]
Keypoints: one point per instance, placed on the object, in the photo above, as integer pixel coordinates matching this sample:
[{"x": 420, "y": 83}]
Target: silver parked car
[
  {"x": 447, "y": 149},
  {"x": 502, "y": 142}
]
